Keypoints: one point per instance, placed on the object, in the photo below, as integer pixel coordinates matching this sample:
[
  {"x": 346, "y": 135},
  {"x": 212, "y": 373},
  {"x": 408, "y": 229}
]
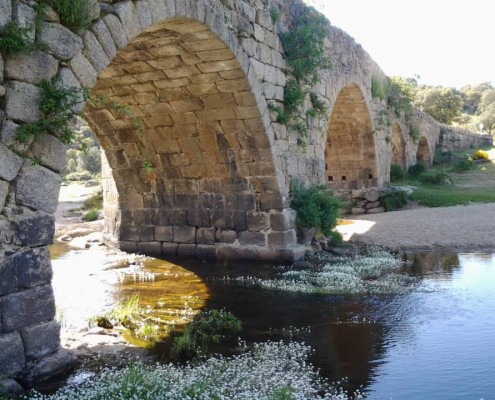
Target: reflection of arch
[
  {"x": 398, "y": 147},
  {"x": 350, "y": 149},
  {"x": 423, "y": 154},
  {"x": 194, "y": 173}
]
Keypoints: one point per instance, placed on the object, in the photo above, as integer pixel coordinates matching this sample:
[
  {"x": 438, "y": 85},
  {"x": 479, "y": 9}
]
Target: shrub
[
  {"x": 336, "y": 238},
  {"x": 74, "y": 14},
  {"x": 416, "y": 170},
  {"x": 206, "y": 328},
  {"x": 79, "y": 176},
  {"x": 393, "y": 200},
  {"x": 90, "y": 216},
  {"x": 316, "y": 206},
  {"x": 481, "y": 155},
  {"x": 396, "y": 173},
  {"x": 378, "y": 88},
  {"x": 435, "y": 178},
  {"x": 464, "y": 164},
  {"x": 94, "y": 202}
]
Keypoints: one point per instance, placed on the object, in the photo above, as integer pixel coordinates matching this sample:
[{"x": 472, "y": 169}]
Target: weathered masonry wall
[{"x": 205, "y": 170}]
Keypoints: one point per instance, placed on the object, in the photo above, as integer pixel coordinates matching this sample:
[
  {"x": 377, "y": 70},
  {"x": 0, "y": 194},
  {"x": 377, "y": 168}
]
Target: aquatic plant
[
  {"x": 373, "y": 271},
  {"x": 271, "y": 370}
]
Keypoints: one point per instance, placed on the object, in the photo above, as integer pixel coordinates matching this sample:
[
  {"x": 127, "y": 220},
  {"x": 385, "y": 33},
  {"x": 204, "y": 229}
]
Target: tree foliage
[
  {"x": 441, "y": 103},
  {"x": 401, "y": 92}
]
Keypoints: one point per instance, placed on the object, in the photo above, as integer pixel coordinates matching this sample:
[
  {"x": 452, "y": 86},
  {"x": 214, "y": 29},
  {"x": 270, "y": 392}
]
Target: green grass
[{"x": 443, "y": 196}]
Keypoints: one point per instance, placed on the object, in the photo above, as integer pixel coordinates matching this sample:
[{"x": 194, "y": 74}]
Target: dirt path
[{"x": 459, "y": 228}]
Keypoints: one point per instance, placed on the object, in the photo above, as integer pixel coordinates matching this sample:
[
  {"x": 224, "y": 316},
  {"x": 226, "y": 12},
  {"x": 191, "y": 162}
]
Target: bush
[
  {"x": 79, "y": 176},
  {"x": 481, "y": 155},
  {"x": 94, "y": 202},
  {"x": 416, "y": 170},
  {"x": 464, "y": 164},
  {"x": 393, "y": 199},
  {"x": 396, "y": 173},
  {"x": 316, "y": 206},
  {"x": 435, "y": 178},
  {"x": 90, "y": 216}
]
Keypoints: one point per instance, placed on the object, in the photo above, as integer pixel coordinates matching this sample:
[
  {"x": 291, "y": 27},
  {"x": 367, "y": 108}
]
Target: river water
[{"x": 436, "y": 342}]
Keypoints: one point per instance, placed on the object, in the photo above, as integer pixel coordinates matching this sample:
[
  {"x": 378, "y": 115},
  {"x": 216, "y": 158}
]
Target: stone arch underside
[
  {"x": 423, "y": 154},
  {"x": 350, "y": 161},
  {"x": 398, "y": 147},
  {"x": 190, "y": 157}
]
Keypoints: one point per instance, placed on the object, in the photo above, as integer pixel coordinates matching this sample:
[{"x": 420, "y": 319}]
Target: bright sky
[{"x": 449, "y": 43}]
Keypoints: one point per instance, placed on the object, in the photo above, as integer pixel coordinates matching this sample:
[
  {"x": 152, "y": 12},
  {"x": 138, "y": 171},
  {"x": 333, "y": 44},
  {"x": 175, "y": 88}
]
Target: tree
[
  {"x": 400, "y": 93},
  {"x": 471, "y": 96},
  {"x": 487, "y": 118},
  {"x": 443, "y": 104}
]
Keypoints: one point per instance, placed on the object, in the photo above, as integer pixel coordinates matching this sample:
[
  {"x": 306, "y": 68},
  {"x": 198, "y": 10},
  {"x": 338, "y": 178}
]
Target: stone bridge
[{"x": 206, "y": 170}]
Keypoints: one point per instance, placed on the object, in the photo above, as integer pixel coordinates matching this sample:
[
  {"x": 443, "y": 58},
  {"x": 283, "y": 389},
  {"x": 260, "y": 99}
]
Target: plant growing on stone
[
  {"x": 378, "y": 88},
  {"x": 316, "y": 206},
  {"x": 304, "y": 50},
  {"x": 393, "y": 199},
  {"x": 396, "y": 173},
  {"x": 400, "y": 96},
  {"x": 74, "y": 14},
  {"x": 56, "y": 105},
  {"x": 415, "y": 133},
  {"x": 15, "y": 39}
]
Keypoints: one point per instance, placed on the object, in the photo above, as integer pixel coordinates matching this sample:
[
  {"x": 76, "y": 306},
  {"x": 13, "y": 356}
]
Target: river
[{"x": 434, "y": 342}]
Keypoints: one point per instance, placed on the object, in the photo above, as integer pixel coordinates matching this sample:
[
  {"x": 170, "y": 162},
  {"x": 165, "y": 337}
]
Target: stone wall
[{"x": 455, "y": 139}]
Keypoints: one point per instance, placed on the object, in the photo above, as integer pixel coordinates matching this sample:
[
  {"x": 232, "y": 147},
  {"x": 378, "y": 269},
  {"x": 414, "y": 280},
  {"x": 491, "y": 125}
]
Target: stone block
[
  {"x": 205, "y": 235},
  {"x": 129, "y": 247},
  {"x": 22, "y": 101},
  {"x": 273, "y": 201},
  {"x": 5, "y": 12},
  {"x": 38, "y": 187},
  {"x": 164, "y": 233},
  {"x": 12, "y": 360},
  {"x": 372, "y": 195},
  {"x": 146, "y": 233},
  {"x": 104, "y": 38},
  {"x": 83, "y": 70},
  {"x": 41, "y": 340},
  {"x": 144, "y": 13},
  {"x": 286, "y": 238},
  {"x": 377, "y": 210},
  {"x": 257, "y": 221},
  {"x": 10, "y": 165},
  {"x": 184, "y": 234},
  {"x": 10, "y": 386},
  {"x": 357, "y": 211},
  {"x": 116, "y": 31},
  {"x": 94, "y": 52},
  {"x": 33, "y": 268},
  {"x": 7, "y": 272},
  {"x": 25, "y": 16},
  {"x": 206, "y": 252},
  {"x": 186, "y": 250},
  {"x": 34, "y": 229},
  {"x": 4, "y": 191},
  {"x": 283, "y": 220},
  {"x": 60, "y": 41},
  {"x": 150, "y": 248},
  {"x": 129, "y": 18},
  {"x": 170, "y": 249},
  {"x": 68, "y": 80},
  {"x": 252, "y": 238},
  {"x": 129, "y": 233},
  {"x": 178, "y": 217},
  {"x": 56, "y": 364},
  {"x": 31, "y": 68},
  {"x": 27, "y": 308},
  {"x": 198, "y": 217},
  {"x": 374, "y": 204},
  {"x": 228, "y": 236},
  {"x": 50, "y": 151}
]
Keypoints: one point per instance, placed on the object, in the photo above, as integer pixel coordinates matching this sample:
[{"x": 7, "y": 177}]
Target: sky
[{"x": 446, "y": 42}]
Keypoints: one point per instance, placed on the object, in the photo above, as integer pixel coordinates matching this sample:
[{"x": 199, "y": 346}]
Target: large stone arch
[
  {"x": 350, "y": 155},
  {"x": 398, "y": 146},
  {"x": 423, "y": 152},
  {"x": 198, "y": 178}
]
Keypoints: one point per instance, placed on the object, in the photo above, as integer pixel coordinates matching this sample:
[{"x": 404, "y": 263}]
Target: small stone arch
[
  {"x": 423, "y": 153},
  {"x": 398, "y": 147},
  {"x": 350, "y": 160}
]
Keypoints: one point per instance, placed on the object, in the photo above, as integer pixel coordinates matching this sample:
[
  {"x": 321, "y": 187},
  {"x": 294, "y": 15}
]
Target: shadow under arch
[
  {"x": 423, "y": 154},
  {"x": 398, "y": 147},
  {"x": 350, "y": 159},
  {"x": 190, "y": 153}
]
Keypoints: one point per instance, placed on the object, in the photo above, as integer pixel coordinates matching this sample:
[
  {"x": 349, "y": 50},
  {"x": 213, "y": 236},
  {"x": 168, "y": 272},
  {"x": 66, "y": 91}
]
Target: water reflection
[{"x": 435, "y": 342}]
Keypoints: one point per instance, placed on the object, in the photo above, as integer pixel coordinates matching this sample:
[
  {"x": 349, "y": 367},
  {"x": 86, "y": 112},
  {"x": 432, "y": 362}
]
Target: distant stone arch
[
  {"x": 398, "y": 146},
  {"x": 350, "y": 160},
  {"x": 423, "y": 153}
]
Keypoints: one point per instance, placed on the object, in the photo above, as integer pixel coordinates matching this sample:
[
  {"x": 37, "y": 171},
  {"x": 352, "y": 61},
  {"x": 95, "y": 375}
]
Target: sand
[{"x": 459, "y": 228}]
